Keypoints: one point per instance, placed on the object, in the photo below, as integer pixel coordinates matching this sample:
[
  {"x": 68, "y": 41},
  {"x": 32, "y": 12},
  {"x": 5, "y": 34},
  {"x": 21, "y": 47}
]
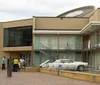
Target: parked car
[{"x": 65, "y": 64}]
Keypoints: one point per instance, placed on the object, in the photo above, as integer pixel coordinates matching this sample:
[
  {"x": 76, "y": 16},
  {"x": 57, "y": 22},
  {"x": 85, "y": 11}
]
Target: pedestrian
[
  {"x": 3, "y": 63},
  {"x": 22, "y": 63},
  {"x": 15, "y": 67}
]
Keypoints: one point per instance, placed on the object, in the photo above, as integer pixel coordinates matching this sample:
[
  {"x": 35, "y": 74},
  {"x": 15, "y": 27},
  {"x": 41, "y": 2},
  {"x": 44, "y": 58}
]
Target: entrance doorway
[{"x": 28, "y": 59}]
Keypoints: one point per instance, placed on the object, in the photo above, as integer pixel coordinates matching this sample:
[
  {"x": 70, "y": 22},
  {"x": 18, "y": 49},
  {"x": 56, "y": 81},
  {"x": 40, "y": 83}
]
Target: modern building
[{"x": 73, "y": 34}]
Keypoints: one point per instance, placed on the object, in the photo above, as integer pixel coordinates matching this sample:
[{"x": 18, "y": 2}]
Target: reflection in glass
[{"x": 18, "y": 36}]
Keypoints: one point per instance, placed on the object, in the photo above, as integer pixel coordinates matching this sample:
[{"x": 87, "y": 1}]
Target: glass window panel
[{"x": 18, "y": 36}]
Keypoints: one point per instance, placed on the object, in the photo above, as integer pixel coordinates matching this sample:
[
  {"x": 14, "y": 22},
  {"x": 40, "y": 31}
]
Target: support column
[
  {"x": 58, "y": 45},
  {"x": 9, "y": 68},
  {"x": 33, "y": 39}
]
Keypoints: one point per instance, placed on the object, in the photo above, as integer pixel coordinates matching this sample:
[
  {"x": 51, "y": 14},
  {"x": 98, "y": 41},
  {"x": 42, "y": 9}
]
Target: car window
[
  {"x": 62, "y": 61},
  {"x": 70, "y": 61},
  {"x": 66, "y": 61},
  {"x": 57, "y": 61}
]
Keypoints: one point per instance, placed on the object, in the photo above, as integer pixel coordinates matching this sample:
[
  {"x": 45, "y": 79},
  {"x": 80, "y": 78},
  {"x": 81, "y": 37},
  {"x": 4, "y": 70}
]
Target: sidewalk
[{"x": 33, "y": 78}]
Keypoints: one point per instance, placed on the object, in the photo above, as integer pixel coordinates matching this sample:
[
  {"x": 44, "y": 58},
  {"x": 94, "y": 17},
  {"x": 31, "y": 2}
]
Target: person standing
[
  {"x": 21, "y": 63},
  {"x": 3, "y": 63},
  {"x": 15, "y": 67}
]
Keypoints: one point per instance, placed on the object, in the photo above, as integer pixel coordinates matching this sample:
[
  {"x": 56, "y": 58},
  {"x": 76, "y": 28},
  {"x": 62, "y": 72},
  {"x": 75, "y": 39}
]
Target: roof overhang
[
  {"x": 55, "y": 32},
  {"x": 88, "y": 29},
  {"x": 91, "y": 27}
]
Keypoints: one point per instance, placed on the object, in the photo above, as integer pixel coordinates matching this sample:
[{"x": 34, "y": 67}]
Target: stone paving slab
[{"x": 34, "y": 78}]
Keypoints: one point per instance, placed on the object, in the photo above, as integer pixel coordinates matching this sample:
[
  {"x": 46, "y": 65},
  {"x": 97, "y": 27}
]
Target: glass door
[{"x": 28, "y": 59}]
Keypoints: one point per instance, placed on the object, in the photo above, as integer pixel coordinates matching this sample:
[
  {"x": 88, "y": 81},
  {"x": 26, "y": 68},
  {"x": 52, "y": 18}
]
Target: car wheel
[{"x": 81, "y": 68}]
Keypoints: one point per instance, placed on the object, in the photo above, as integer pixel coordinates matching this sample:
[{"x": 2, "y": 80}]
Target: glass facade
[
  {"x": 95, "y": 39},
  {"x": 18, "y": 36},
  {"x": 98, "y": 38},
  {"x": 47, "y": 41},
  {"x": 58, "y": 42}
]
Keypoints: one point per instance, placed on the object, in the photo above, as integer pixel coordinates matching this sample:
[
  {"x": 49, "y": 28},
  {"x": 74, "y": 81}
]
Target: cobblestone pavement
[{"x": 33, "y": 78}]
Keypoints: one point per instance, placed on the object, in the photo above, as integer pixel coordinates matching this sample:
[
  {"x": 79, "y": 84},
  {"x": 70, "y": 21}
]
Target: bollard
[{"x": 9, "y": 68}]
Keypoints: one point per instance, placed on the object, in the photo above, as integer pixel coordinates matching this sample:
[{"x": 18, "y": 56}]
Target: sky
[{"x": 23, "y": 9}]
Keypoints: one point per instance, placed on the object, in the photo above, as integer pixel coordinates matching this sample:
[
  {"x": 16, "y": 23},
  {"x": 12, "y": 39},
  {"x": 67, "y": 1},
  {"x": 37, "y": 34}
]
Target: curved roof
[{"x": 78, "y": 12}]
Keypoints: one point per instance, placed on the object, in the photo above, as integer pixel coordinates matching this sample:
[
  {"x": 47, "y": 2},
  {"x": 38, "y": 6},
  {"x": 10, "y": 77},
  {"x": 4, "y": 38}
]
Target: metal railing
[
  {"x": 85, "y": 45},
  {"x": 52, "y": 52},
  {"x": 48, "y": 52}
]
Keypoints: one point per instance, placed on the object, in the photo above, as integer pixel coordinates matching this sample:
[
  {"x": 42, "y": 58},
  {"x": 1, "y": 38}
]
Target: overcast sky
[{"x": 22, "y": 9}]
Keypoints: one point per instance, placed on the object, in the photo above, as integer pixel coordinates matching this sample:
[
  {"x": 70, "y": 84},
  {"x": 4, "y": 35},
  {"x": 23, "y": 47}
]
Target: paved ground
[{"x": 25, "y": 78}]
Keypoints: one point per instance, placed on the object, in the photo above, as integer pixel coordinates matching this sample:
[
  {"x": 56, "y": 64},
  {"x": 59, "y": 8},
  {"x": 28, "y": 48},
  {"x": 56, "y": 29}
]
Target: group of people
[{"x": 17, "y": 64}]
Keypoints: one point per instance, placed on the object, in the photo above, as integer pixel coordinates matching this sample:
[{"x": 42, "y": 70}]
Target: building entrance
[{"x": 28, "y": 59}]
